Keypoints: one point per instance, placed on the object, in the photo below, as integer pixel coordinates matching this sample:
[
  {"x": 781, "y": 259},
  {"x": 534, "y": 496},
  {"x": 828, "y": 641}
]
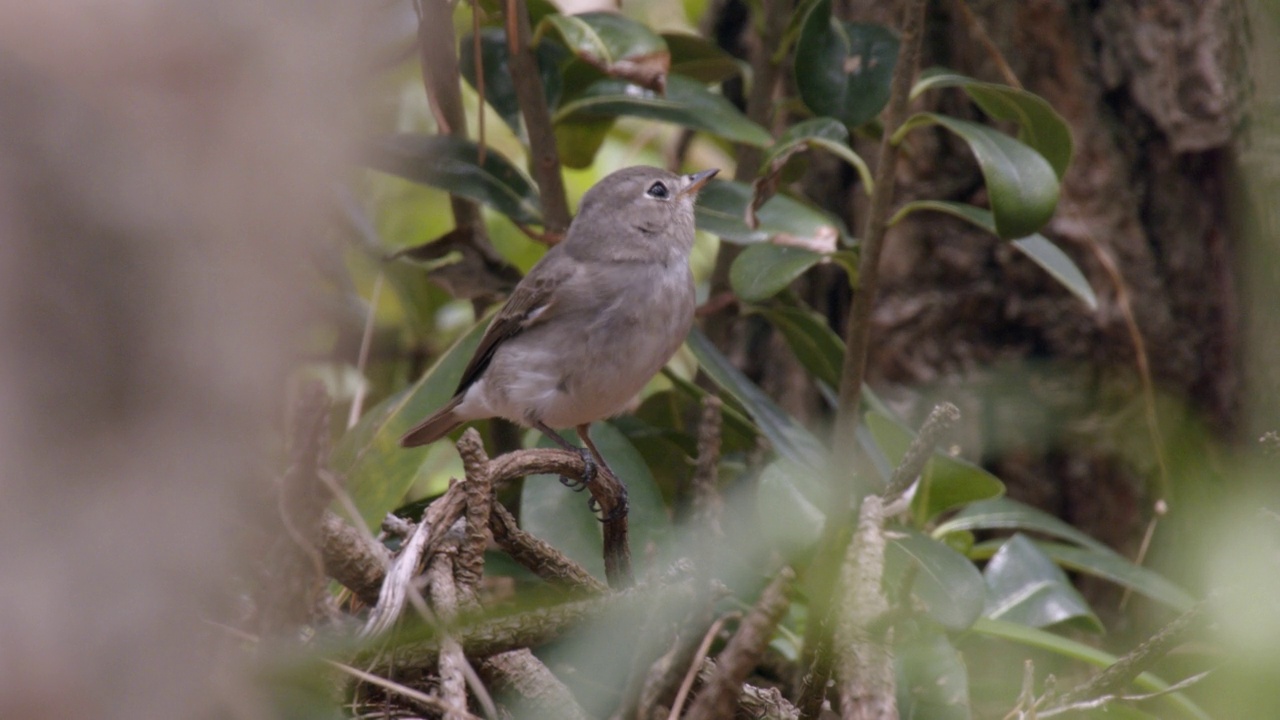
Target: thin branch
[
  {"x": 543, "y": 694},
  {"x": 543, "y": 154},
  {"x": 940, "y": 420},
  {"x": 538, "y": 556},
  {"x": 691, "y": 675}
]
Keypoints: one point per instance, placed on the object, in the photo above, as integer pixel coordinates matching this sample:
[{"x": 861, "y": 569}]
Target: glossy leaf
[
  {"x": 696, "y": 57},
  {"x": 722, "y": 207},
  {"x": 1036, "y": 247},
  {"x": 617, "y": 45},
  {"x": 1039, "y": 125},
  {"x": 378, "y": 471},
  {"x": 1025, "y": 586},
  {"x": 932, "y": 680},
  {"x": 815, "y": 344},
  {"x": 946, "y": 583},
  {"x": 499, "y": 88},
  {"x": 687, "y": 102},
  {"x": 946, "y": 482},
  {"x": 1044, "y": 640},
  {"x": 453, "y": 165},
  {"x": 763, "y": 270},
  {"x": 579, "y": 139},
  {"x": 553, "y": 513},
  {"x": 1021, "y": 184},
  {"x": 1007, "y": 514},
  {"x": 789, "y": 438},
  {"x": 818, "y": 133},
  {"x": 843, "y": 69}
]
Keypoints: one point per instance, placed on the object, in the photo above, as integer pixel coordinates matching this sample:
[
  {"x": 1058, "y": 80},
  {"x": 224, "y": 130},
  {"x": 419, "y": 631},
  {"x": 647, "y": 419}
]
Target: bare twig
[
  {"x": 943, "y": 416},
  {"x": 691, "y": 675},
  {"x": 707, "y": 504},
  {"x": 817, "y": 659},
  {"x": 444, "y": 600},
  {"x": 539, "y": 557},
  {"x": 865, "y": 666},
  {"x": 523, "y": 674},
  {"x": 719, "y": 696},
  {"x": 755, "y": 702},
  {"x": 544, "y": 157},
  {"x": 429, "y": 701},
  {"x": 478, "y": 491},
  {"x": 396, "y": 584},
  {"x": 352, "y": 558}
]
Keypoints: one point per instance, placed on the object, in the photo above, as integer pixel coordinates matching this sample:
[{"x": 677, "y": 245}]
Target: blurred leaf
[
  {"x": 946, "y": 582},
  {"x": 579, "y": 140},
  {"x": 932, "y": 680},
  {"x": 1021, "y": 184},
  {"x": 464, "y": 268},
  {"x": 378, "y": 471},
  {"x": 1025, "y": 586},
  {"x": 687, "y": 102},
  {"x": 1113, "y": 566},
  {"x": 815, "y": 344},
  {"x": 843, "y": 69},
  {"x": 821, "y": 133},
  {"x": 1044, "y": 640},
  {"x": 946, "y": 482},
  {"x": 764, "y": 269},
  {"x": 737, "y": 426},
  {"x": 789, "y": 438},
  {"x": 788, "y": 497},
  {"x": 722, "y": 207},
  {"x": 452, "y": 164},
  {"x": 1039, "y": 125},
  {"x": 700, "y": 59},
  {"x": 1036, "y": 247},
  {"x": 617, "y": 45},
  {"x": 556, "y": 514},
  {"x": 1007, "y": 514},
  {"x": 499, "y": 88}
]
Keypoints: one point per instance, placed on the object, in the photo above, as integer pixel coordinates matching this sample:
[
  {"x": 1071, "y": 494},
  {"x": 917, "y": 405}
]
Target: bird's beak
[{"x": 697, "y": 180}]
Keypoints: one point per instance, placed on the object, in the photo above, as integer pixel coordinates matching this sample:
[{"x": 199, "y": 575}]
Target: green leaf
[
  {"x": 821, "y": 133},
  {"x": 617, "y": 45},
  {"x": 932, "y": 680},
  {"x": 1025, "y": 586},
  {"x": 499, "y": 88},
  {"x": 378, "y": 471},
  {"x": 1041, "y": 251},
  {"x": 843, "y": 69},
  {"x": 1007, "y": 514},
  {"x": 1036, "y": 638},
  {"x": 722, "y": 208},
  {"x": 789, "y": 500},
  {"x": 790, "y": 439},
  {"x": 1021, "y": 184},
  {"x": 815, "y": 344},
  {"x": 579, "y": 140},
  {"x": 763, "y": 270},
  {"x": 1039, "y": 125},
  {"x": 561, "y": 517},
  {"x": 946, "y": 583},
  {"x": 700, "y": 59},
  {"x": 1036, "y": 247},
  {"x": 687, "y": 102},
  {"x": 946, "y": 482},
  {"x": 453, "y": 165}
]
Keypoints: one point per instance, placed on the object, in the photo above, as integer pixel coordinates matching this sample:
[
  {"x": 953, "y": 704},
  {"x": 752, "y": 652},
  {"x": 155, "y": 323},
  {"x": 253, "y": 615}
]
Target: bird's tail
[{"x": 441, "y": 423}]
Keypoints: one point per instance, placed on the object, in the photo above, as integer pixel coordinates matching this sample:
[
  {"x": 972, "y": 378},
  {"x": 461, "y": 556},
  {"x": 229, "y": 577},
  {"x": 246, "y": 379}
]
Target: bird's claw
[
  {"x": 589, "y": 471},
  {"x": 619, "y": 510}
]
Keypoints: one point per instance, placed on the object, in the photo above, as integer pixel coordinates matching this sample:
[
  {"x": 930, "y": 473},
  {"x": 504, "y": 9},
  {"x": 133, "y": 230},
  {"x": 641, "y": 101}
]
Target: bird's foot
[
  {"x": 589, "y": 471},
  {"x": 619, "y": 510}
]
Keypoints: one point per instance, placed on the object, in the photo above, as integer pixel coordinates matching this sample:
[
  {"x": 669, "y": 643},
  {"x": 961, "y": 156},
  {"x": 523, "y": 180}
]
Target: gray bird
[{"x": 593, "y": 321}]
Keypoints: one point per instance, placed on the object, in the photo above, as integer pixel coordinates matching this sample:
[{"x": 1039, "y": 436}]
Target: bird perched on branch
[{"x": 593, "y": 321}]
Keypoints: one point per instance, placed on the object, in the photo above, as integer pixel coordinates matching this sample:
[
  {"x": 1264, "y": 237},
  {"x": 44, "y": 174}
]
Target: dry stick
[
  {"x": 444, "y": 599},
  {"x": 817, "y": 647},
  {"x": 865, "y": 664},
  {"x": 538, "y": 556},
  {"x": 544, "y": 696},
  {"x": 433, "y": 703},
  {"x": 544, "y": 157},
  {"x": 362, "y": 360},
  {"x": 940, "y": 419},
  {"x": 756, "y": 702},
  {"x": 1119, "y": 674},
  {"x": 719, "y": 696},
  {"x": 478, "y": 490},
  {"x": 691, "y": 674},
  {"x": 352, "y": 558},
  {"x": 438, "y": 56},
  {"x": 707, "y": 503},
  {"x": 979, "y": 33}
]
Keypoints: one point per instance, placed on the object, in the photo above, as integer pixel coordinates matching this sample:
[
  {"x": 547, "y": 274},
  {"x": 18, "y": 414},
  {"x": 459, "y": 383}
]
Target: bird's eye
[{"x": 657, "y": 190}]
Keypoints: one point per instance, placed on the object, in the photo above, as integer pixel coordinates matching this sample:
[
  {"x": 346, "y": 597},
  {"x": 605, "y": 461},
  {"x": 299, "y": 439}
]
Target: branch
[{"x": 544, "y": 157}]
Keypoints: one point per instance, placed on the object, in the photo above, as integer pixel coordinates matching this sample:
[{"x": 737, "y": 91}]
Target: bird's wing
[{"x": 529, "y": 304}]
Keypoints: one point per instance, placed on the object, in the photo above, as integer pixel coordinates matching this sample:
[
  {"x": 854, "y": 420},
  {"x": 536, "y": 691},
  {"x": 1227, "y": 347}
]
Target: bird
[{"x": 593, "y": 321}]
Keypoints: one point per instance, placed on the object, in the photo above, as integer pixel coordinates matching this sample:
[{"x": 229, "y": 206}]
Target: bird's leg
[
  {"x": 588, "y": 462},
  {"x": 618, "y": 491}
]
